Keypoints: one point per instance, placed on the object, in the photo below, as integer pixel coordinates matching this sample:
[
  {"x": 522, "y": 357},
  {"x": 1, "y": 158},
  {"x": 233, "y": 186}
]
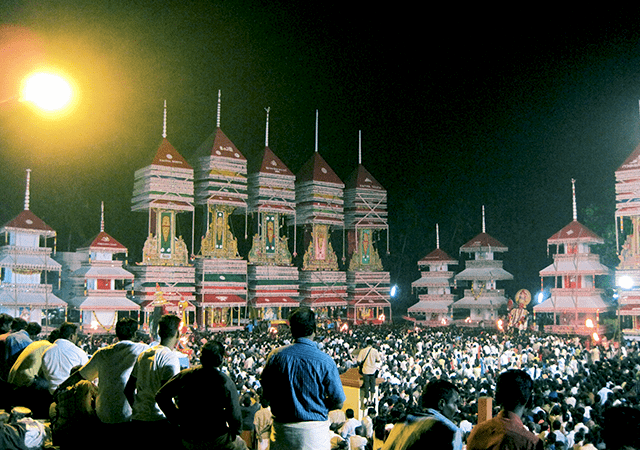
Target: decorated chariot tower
[
  {"x": 273, "y": 279},
  {"x": 221, "y": 273},
  {"x": 164, "y": 189}
]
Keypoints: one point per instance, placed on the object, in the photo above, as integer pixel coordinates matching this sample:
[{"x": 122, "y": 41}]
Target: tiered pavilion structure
[
  {"x": 575, "y": 303},
  {"x": 273, "y": 280},
  {"x": 365, "y": 219},
  {"x": 164, "y": 279},
  {"x": 320, "y": 211},
  {"x": 25, "y": 261},
  {"x": 627, "y": 215},
  {"x": 434, "y": 288},
  {"x": 221, "y": 274},
  {"x": 484, "y": 299},
  {"x": 99, "y": 283}
]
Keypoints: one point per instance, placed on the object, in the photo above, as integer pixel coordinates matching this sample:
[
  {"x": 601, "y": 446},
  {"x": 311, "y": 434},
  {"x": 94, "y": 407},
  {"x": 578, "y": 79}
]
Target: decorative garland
[
  {"x": 113, "y": 323},
  {"x": 473, "y": 292}
]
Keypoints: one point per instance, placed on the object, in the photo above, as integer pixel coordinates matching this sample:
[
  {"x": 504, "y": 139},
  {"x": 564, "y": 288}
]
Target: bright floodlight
[
  {"x": 394, "y": 290},
  {"x": 47, "y": 91},
  {"x": 540, "y": 297},
  {"x": 625, "y": 282}
]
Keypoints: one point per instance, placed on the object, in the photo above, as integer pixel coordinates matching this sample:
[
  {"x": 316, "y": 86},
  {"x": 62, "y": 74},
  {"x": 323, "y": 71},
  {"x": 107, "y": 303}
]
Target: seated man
[{"x": 219, "y": 424}]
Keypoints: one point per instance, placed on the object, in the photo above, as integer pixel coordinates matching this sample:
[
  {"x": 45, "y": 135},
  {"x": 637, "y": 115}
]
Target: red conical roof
[
  {"x": 317, "y": 169},
  {"x": 437, "y": 256},
  {"x": 218, "y": 144},
  {"x": 105, "y": 242},
  {"x": 362, "y": 179},
  {"x": 168, "y": 156},
  {"x": 272, "y": 165},
  {"x": 28, "y": 221},
  {"x": 632, "y": 162},
  {"x": 483, "y": 242},
  {"x": 575, "y": 232}
]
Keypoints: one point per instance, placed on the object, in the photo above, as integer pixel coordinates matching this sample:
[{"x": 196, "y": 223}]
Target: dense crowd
[{"x": 575, "y": 379}]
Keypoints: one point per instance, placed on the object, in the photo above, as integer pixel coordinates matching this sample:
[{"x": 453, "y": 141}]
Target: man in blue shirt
[{"x": 303, "y": 385}]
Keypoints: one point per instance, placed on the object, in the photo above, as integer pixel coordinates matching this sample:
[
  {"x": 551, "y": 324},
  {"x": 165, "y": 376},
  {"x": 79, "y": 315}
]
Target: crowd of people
[{"x": 281, "y": 388}]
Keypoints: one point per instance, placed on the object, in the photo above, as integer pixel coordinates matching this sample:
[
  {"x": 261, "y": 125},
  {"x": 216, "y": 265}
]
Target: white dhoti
[{"x": 301, "y": 436}]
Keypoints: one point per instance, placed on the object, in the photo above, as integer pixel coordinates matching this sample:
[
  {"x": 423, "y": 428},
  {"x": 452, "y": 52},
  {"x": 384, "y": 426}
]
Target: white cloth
[
  {"x": 153, "y": 368},
  {"x": 301, "y": 436},
  {"x": 112, "y": 365},
  {"x": 349, "y": 428},
  {"x": 357, "y": 442},
  {"x": 59, "y": 359}
]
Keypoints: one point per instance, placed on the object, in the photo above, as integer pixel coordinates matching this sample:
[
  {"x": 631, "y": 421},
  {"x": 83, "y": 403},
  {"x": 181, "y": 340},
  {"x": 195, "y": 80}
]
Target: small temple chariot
[
  {"x": 433, "y": 288},
  {"x": 98, "y": 285},
  {"x": 482, "y": 301},
  {"x": 576, "y": 303},
  {"x": 25, "y": 262}
]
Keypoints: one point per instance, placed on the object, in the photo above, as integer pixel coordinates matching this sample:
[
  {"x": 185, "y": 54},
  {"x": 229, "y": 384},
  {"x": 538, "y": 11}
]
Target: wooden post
[{"x": 485, "y": 409}]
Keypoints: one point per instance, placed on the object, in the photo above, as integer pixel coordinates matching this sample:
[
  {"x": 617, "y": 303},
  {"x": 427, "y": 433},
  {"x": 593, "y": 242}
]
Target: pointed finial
[
  {"x": 266, "y": 134},
  {"x": 316, "y": 147},
  {"x": 27, "y": 193},
  {"x": 101, "y": 217},
  {"x": 437, "y": 236},
  {"x": 484, "y": 228},
  {"x": 575, "y": 209},
  {"x": 359, "y": 146},
  {"x": 164, "y": 121},
  {"x": 218, "y": 112}
]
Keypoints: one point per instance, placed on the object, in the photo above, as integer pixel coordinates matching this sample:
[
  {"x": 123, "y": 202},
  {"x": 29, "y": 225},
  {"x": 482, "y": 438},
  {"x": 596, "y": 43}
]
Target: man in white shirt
[
  {"x": 112, "y": 366},
  {"x": 62, "y": 356},
  {"x": 348, "y": 429},
  {"x": 370, "y": 360},
  {"x": 153, "y": 368}
]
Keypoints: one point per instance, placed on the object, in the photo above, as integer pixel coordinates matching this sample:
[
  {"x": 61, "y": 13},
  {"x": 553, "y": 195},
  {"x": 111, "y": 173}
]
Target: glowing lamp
[
  {"x": 588, "y": 323},
  {"x": 48, "y": 91},
  {"x": 625, "y": 282},
  {"x": 596, "y": 337}
]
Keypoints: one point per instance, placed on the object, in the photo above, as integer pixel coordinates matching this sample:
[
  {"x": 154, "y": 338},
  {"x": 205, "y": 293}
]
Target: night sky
[{"x": 458, "y": 108}]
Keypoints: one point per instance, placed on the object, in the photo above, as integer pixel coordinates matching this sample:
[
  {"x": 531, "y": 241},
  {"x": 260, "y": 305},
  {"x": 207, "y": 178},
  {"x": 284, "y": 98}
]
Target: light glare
[
  {"x": 626, "y": 282},
  {"x": 47, "y": 91}
]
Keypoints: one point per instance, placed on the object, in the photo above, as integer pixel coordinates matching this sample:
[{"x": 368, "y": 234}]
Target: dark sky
[{"x": 457, "y": 107}]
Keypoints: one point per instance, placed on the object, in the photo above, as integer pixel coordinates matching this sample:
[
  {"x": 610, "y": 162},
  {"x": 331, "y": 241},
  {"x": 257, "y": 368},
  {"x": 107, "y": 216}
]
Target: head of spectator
[
  {"x": 126, "y": 328},
  {"x": 5, "y": 323},
  {"x": 212, "y": 354},
  {"x": 513, "y": 390},
  {"x": 349, "y": 413},
  {"x": 55, "y": 334},
  {"x": 169, "y": 330},
  {"x": 18, "y": 324},
  {"x": 303, "y": 323},
  {"x": 68, "y": 331},
  {"x": 442, "y": 396},
  {"x": 33, "y": 329}
]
